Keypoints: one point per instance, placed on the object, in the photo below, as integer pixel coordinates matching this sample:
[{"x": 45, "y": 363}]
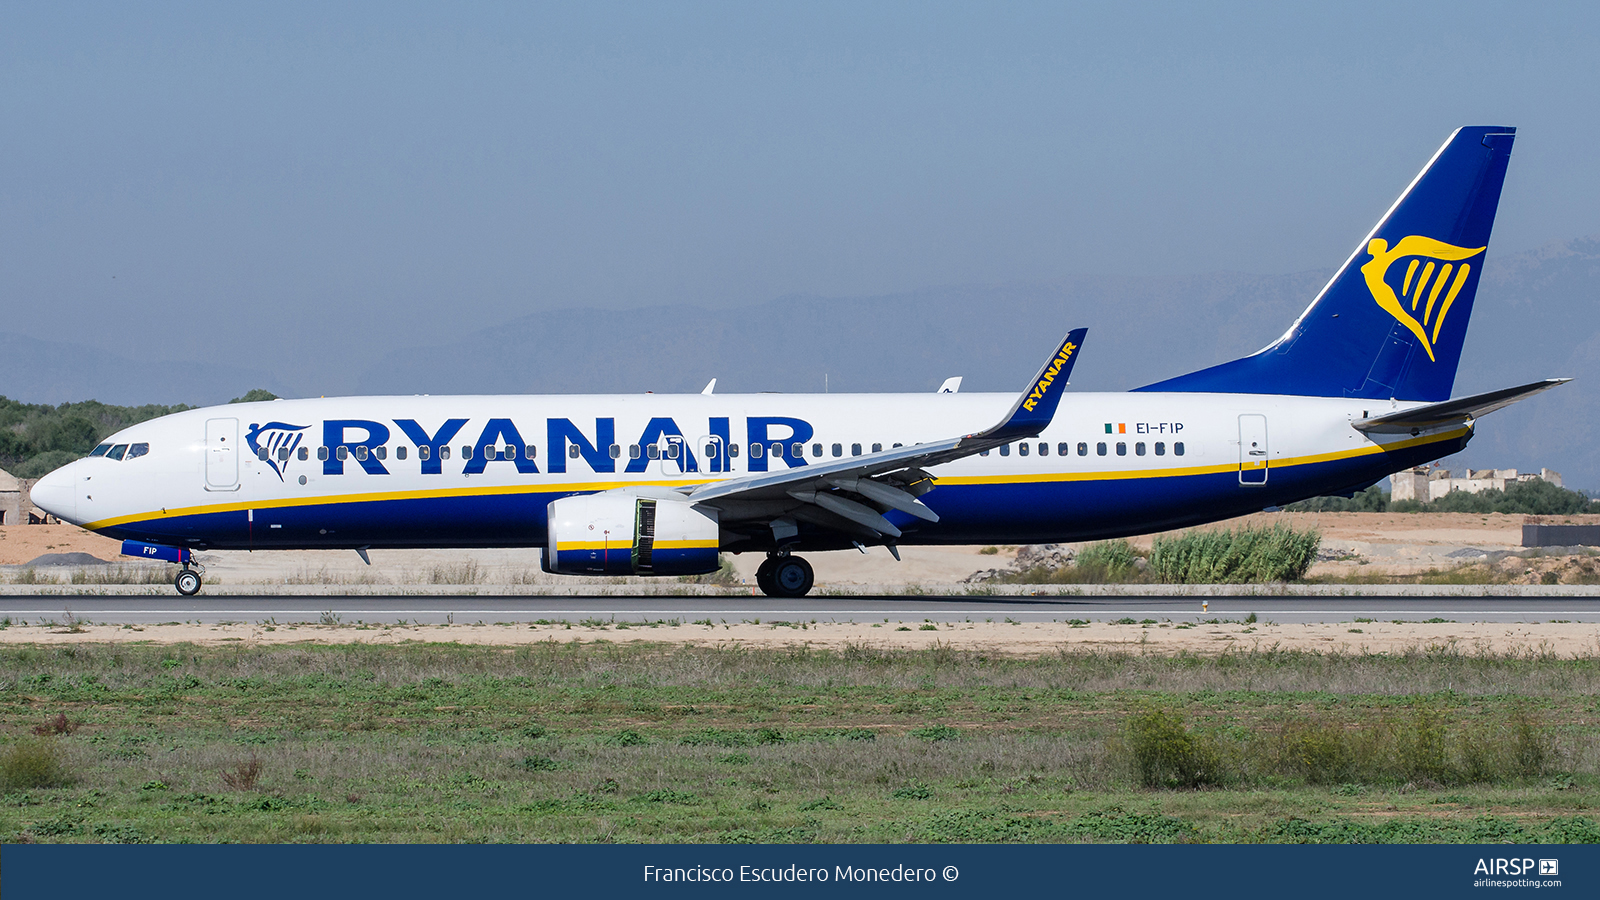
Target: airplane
[{"x": 1357, "y": 388}]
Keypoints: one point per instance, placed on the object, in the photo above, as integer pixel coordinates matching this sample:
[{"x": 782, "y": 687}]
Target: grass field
[{"x": 603, "y": 742}]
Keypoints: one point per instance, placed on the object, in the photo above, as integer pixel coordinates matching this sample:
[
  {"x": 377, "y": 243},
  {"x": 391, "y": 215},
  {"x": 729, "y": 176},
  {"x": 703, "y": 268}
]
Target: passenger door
[
  {"x": 1253, "y": 459},
  {"x": 222, "y": 454}
]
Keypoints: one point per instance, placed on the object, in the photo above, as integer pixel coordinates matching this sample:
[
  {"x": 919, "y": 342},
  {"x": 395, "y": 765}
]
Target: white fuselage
[{"x": 351, "y": 472}]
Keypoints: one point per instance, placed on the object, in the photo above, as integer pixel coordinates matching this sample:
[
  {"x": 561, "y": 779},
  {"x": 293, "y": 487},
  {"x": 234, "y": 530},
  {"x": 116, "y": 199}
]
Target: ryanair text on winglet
[{"x": 1050, "y": 374}]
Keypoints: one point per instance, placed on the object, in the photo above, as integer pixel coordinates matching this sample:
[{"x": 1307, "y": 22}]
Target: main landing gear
[
  {"x": 188, "y": 581},
  {"x": 782, "y": 575}
]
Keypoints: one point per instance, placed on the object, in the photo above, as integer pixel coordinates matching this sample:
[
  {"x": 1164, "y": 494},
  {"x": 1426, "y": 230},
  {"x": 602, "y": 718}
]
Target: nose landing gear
[
  {"x": 785, "y": 576},
  {"x": 188, "y": 581}
]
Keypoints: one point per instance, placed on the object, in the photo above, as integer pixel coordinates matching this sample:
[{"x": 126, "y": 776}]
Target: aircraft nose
[{"x": 57, "y": 493}]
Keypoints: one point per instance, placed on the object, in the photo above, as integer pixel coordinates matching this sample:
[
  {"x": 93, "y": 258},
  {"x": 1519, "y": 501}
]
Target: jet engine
[{"x": 626, "y": 534}]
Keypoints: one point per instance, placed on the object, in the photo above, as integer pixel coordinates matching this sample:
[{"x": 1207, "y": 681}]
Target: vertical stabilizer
[{"x": 1392, "y": 320}]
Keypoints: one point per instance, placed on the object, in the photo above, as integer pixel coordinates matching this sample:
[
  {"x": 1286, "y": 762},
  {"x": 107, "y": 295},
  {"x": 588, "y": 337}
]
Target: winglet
[{"x": 1037, "y": 405}]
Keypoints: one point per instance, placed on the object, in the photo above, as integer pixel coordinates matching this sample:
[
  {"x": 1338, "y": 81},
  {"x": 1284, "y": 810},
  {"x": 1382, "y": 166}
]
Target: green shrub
[
  {"x": 1525, "y": 498},
  {"x": 1235, "y": 556},
  {"x": 34, "y": 762},
  {"x": 1319, "y": 752},
  {"x": 1168, "y": 755},
  {"x": 1105, "y": 561},
  {"x": 1372, "y": 499},
  {"x": 933, "y": 733}
]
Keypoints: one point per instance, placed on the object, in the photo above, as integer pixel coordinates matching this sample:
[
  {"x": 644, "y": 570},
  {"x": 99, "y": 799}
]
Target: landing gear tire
[
  {"x": 764, "y": 576},
  {"x": 791, "y": 577},
  {"x": 187, "y": 582}
]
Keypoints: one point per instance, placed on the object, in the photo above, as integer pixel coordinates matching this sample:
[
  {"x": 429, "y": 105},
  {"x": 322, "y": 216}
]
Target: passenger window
[
  {"x": 1005, "y": 449},
  {"x": 898, "y": 445},
  {"x": 797, "y": 451},
  {"x": 816, "y": 449},
  {"x": 530, "y": 452},
  {"x": 304, "y": 454},
  {"x": 1122, "y": 449},
  {"x": 1044, "y": 449},
  {"x": 1022, "y": 448},
  {"x": 466, "y": 451},
  {"x": 424, "y": 451},
  {"x": 855, "y": 449},
  {"x": 616, "y": 451},
  {"x": 137, "y": 450},
  {"x": 322, "y": 453},
  {"x": 261, "y": 454},
  {"x": 489, "y": 452},
  {"x": 383, "y": 452},
  {"x": 877, "y": 448},
  {"x": 1065, "y": 449},
  {"x": 1100, "y": 448},
  {"x": 1083, "y": 449},
  {"x": 983, "y": 453},
  {"x": 444, "y": 452},
  {"x": 777, "y": 451},
  {"x": 672, "y": 450},
  {"x": 756, "y": 450},
  {"x": 361, "y": 452},
  {"x": 117, "y": 452},
  {"x": 838, "y": 449},
  {"x": 634, "y": 451},
  {"x": 653, "y": 451},
  {"x": 100, "y": 450},
  {"x": 511, "y": 451},
  {"x": 1161, "y": 448},
  {"x": 1138, "y": 449},
  {"x": 1177, "y": 448},
  {"x": 400, "y": 452},
  {"x": 733, "y": 451},
  {"x": 343, "y": 452},
  {"x": 573, "y": 451},
  {"x": 283, "y": 454},
  {"x": 711, "y": 451}
]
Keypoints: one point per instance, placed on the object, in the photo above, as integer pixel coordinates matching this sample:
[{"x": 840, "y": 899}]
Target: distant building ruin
[
  {"x": 11, "y": 499},
  {"x": 1426, "y": 484},
  {"x": 15, "y": 507}
]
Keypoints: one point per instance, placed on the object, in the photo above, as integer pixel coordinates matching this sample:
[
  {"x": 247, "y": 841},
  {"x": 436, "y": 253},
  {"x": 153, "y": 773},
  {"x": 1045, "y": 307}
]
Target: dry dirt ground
[
  {"x": 1565, "y": 640},
  {"x": 1396, "y": 543}
]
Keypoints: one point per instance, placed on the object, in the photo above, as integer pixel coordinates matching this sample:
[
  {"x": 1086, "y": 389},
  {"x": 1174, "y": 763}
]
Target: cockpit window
[
  {"x": 137, "y": 450},
  {"x": 100, "y": 450},
  {"x": 117, "y": 451}
]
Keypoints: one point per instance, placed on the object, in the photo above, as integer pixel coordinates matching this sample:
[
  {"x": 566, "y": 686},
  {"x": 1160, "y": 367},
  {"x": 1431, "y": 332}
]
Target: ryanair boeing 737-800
[{"x": 1357, "y": 388}]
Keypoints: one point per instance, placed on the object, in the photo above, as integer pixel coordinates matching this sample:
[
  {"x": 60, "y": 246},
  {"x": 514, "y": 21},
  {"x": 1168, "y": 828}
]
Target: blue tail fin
[{"x": 1392, "y": 320}]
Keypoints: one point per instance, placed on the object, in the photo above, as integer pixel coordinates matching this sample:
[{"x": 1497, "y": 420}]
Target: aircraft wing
[
  {"x": 1452, "y": 412},
  {"x": 853, "y": 494}
]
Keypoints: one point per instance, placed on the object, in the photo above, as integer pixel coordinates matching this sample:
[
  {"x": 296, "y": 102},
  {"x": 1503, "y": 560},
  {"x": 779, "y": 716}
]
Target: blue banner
[{"x": 1168, "y": 872}]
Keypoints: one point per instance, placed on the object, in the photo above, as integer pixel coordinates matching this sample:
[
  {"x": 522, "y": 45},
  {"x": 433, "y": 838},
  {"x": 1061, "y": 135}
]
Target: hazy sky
[{"x": 301, "y": 184}]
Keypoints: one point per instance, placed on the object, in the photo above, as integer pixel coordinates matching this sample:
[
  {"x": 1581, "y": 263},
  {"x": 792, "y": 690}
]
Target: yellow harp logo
[{"x": 1429, "y": 273}]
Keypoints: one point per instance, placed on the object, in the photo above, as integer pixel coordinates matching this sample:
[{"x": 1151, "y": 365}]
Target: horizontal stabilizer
[{"x": 1451, "y": 412}]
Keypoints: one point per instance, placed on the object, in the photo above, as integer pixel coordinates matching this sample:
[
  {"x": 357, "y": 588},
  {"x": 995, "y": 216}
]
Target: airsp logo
[{"x": 1425, "y": 278}]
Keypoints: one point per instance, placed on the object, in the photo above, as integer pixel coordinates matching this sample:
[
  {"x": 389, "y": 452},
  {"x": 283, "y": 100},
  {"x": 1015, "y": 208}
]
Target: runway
[{"x": 435, "y": 609}]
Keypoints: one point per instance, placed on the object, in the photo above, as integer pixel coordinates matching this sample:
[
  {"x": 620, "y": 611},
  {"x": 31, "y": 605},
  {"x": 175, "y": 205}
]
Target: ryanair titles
[
  {"x": 1042, "y": 386},
  {"x": 662, "y": 444}
]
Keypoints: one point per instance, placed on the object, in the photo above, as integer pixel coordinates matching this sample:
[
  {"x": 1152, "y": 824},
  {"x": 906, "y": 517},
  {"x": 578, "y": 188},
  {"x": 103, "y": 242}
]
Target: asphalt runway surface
[{"x": 463, "y": 610}]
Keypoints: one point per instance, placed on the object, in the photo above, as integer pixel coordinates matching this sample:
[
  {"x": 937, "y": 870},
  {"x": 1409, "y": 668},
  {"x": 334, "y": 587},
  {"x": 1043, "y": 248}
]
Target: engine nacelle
[{"x": 625, "y": 534}]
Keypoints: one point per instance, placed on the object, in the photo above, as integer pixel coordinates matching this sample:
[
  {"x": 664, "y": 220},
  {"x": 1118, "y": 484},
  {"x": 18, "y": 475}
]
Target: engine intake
[{"x": 621, "y": 534}]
